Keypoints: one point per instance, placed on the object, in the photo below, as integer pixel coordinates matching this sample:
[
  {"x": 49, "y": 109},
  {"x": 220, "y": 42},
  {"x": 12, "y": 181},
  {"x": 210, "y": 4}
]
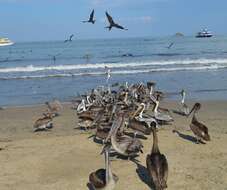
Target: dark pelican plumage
[
  {"x": 199, "y": 129},
  {"x": 123, "y": 145},
  {"x": 113, "y": 24},
  {"x": 43, "y": 123},
  {"x": 157, "y": 165}
]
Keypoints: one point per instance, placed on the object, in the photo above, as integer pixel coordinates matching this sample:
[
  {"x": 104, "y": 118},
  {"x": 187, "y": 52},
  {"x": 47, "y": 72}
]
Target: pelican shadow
[
  {"x": 178, "y": 112},
  {"x": 187, "y": 137},
  {"x": 144, "y": 175},
  {"x": 89, "y": 186}
]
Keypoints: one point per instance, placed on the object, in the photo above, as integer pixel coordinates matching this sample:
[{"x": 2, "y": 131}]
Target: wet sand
[{"x": 62, "y": 158}]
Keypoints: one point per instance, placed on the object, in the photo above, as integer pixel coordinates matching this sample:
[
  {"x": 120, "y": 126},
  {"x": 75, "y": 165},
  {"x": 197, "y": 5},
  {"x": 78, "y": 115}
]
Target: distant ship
[
  {"x": 204, "y": 34},
  {"x": 5, "y": 42}
]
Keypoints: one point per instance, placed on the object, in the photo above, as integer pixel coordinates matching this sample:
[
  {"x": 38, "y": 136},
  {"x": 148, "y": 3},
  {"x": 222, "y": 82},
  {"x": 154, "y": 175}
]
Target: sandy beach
[{"x": 62, "y": 158}]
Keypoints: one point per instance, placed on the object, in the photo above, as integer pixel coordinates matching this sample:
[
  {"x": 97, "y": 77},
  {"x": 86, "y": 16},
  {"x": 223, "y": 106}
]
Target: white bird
[{"x": 159, "y": 116}]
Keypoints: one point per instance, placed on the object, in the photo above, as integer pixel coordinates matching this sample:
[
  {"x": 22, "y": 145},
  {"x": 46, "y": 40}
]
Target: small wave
[
  {"x": 32, "y": 68},
  {"x": 119, "y": 72}
]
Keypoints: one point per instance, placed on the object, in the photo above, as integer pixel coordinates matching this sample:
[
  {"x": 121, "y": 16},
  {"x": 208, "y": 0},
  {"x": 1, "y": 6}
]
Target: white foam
[
  {"x": 121, "y": 72},
  {"x": 32, "y": 68}
]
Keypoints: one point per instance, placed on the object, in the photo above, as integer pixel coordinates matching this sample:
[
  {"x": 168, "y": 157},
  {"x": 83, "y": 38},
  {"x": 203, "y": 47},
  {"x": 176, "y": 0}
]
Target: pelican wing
[
  {"x": 163, "y": 117},
  {"x": 41, "y": 122},
  {"x": 110, "y": 19},
  {"x": 199, "y": 129},
  {"x": 131, "y": 145},
  {"x": 157, "y": 166}
]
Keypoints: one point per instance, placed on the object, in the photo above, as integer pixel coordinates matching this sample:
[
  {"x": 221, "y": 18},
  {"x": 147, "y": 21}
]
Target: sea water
[{"x": 35, "y": 72}]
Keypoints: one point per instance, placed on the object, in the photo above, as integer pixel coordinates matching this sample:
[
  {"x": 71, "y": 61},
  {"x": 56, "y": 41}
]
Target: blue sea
[{"x": 35, "y": 72}]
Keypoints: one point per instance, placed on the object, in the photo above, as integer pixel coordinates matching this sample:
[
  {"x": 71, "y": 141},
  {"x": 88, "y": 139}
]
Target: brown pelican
[
  {"x": 124, "y": 145},
  {"x": 112, "y": 23},
  {"x": 54, "y": 107},
  {"x": 91, "y": 18},
  {"x": 104, "y": 179},
  {"x": 199, "y": 129},
  {"x": 70, "y": 38},
  {"x": 159, "y": 116},
  {"x": 43, "y": 123},
  {"x": 139, "y": 127},
  {"x": 157, "y": 165}
]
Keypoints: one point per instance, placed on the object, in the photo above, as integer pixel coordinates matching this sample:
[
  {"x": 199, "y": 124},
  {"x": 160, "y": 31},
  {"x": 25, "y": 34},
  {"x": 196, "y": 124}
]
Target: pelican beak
[
  {"x": 116, "y": 124},
  {"x": 106, "y": 148}
]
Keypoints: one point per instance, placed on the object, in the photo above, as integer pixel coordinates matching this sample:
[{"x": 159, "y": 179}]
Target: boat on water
[
  {"x": 5, "y": 42},
  {"x": 204, "y": 34}
]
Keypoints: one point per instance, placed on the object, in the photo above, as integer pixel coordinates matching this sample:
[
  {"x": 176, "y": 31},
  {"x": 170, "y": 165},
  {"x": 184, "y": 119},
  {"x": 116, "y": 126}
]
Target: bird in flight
[
  {"x": 170, "y": 45},
  {"x": 91, "y": 19},
  {"x": 70, "y": 38},
  {"x": 113, "y": 24}
]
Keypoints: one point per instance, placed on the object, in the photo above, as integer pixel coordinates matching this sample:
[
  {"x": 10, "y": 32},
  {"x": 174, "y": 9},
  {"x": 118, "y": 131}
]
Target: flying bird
[
  {"x": 170, "y": 45},
  {"x": 113, "y": 24},
  {"x": 91, "y": 19},
  {"x": 70, "y": 38}
]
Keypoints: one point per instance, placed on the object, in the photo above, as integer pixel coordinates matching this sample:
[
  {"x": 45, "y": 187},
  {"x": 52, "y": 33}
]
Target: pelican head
[
  {"x": 150, "y": 84},
  {"x": 195, "y": 108},
  {"x": 183, "y": 93}
]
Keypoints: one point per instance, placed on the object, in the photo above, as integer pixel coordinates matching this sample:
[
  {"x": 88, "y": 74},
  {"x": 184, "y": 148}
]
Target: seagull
[
  {"x": 170, "y": 45},
  {"x": 91, "y": 19},
  {"x": 70, "y": 38},
  {"x": 112, "y": 23}
]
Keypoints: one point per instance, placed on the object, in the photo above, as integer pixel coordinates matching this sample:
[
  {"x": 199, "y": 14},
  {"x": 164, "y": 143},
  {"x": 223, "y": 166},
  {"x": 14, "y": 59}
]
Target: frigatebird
[
  {"x": 112, "y": 23},
  {"x": 91, "y": 19}
]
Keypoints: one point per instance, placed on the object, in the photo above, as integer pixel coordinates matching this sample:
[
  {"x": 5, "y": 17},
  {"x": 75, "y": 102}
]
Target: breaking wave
[{"x": 196, "y": 63}]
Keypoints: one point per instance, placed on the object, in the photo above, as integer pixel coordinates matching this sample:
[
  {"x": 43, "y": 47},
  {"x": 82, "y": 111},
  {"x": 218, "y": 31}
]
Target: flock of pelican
[{"x": 119, "y": 119}]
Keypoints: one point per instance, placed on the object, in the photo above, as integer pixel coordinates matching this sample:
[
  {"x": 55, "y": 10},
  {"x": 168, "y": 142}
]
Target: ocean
[{"x": 35, "y": 72}]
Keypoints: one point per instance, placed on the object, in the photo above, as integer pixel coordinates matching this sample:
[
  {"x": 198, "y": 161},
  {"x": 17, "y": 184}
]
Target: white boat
[
  {"x": 5, "y": 42},
  {"x": 204, "y": 34}
]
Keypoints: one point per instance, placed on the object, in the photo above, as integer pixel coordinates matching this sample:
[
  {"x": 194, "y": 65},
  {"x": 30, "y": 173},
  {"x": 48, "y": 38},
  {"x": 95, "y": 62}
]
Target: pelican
[
  {"x": 107, "y": 74},
  {"x": 184, "y": 109},
  {"x": 199, "y": 129},
  {"x": 91, "y": 18},
  {"x": 69, "y": 39},
  {"x": 54, "y": 107},
  {"x": 43, "y": 123},
  {"x": 124, "y": 145},
  {"x": 159, "y": 116},
  {"x": 157, "y": 165},
  {"x": 81, "y": 107},
  {"x": 113, "y": 24},
  {"x": 104, "y": 179}
]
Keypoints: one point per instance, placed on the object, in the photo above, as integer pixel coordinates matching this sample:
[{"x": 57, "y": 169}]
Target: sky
[{"x": 42, "y": 20}]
